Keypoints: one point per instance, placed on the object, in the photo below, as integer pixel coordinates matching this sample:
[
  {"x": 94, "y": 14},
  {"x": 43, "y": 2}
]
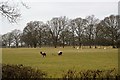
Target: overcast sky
[{"x": 44, "y": 10}]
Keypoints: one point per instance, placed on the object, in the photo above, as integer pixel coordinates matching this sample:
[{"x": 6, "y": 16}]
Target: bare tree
[
  {"x": 56, "y": 26},
  {"x": 29, "y": 34},
  {"x": 91, "y": 28},
  {"x": 110, "y": 29},
  {"x": 10, "y": 9},
  {"x": 65, "y": 27},
  {"x": 40, "y": 28},
  {"x": 33, "y": 33},
  {"x": 66, "y": 37},
  {"x": 72, "y": 30},
  {"x": 46, "y": 36},
  {"x": 79, "y": 25},
  {"x": 4, "y": 40},
  {"x": 62, "y": 31},
  {"x": 16, "y": 37},
  {"x": 7, "y": 39}
]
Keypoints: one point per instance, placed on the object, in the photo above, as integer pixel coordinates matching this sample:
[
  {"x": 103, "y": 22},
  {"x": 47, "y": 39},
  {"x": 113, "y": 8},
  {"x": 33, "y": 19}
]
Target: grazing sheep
[
  {"x": 77, "y": 47},
  {"x": 98, "y": 47},
  {"x": 43, "y": 54},
  {"x": 105, "y": 48},
  {"x": 59, "y": 53}
]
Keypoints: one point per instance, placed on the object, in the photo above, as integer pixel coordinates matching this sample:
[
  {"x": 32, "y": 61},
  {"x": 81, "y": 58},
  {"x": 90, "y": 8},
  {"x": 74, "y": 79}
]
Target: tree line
[{"x": 62, "y": 31}]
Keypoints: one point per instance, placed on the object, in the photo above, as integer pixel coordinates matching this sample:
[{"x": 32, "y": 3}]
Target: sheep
[
  {"x": 104, "y": 48},
  {"x": 60, "y": 53},
  {"x": 77, "y": 47},
  {"x": 43, "y": 54}
]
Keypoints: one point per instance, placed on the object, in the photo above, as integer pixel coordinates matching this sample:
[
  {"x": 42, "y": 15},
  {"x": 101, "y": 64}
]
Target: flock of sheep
[
  {"x": 60, "y": 52},
  {"x": 44, "y": 54}
]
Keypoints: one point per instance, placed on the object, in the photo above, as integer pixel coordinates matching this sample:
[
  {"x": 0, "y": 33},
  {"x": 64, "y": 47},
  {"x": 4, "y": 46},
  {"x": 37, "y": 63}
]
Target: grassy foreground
[{"x": 55, "y": 66}]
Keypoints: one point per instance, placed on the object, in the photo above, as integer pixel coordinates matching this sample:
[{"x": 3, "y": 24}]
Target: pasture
[{"x": 55, "y": 66}]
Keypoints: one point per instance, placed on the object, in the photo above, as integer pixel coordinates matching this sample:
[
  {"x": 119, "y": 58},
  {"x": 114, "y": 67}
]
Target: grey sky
[{"x": 44, "y": 11}]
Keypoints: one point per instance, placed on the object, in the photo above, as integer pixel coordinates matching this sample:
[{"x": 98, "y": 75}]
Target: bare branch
[{"x": 10, "y": 12}]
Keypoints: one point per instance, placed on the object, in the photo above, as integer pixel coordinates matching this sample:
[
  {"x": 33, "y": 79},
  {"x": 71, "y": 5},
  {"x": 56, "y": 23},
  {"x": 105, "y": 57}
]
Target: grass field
[{"x": 55, "y": 66}]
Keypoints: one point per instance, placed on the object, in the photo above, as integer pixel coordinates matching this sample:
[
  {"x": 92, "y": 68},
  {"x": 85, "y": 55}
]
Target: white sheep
[{"x": 60, "y": 53}]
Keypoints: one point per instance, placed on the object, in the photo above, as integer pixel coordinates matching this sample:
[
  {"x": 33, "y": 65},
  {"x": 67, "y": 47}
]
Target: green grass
[{"x": 54, "y": 65}]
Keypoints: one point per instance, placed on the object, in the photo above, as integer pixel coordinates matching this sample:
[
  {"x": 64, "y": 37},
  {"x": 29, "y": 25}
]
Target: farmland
[{"x": 55, "y": 66}]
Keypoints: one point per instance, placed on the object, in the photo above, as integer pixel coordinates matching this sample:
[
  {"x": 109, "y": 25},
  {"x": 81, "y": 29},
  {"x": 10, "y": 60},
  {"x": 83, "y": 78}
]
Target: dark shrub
[
  {"x": 20, "y": 71},
  {"x": 92, "y": 74}
]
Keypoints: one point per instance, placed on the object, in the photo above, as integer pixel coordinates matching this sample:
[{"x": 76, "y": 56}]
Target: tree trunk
[
  {"x": 95, "y": 46},
  {"x": 63, "y": 42},
  {"x": 90, "y": 46},
  {"x": 40, "y": 43},
  {"x": 113, "y": 43},
  {"x": 55, "y": 43},
  {"x": 17, "y": 45},
  {"x": 8, "y": 43},
  {"x": 35, "y": 45},
  {"x": 113, "y": 46},
  {"x": 73, "y": 42},
  {"x": 79, "y": 42},
  {"x": 90, "y": 41}
]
